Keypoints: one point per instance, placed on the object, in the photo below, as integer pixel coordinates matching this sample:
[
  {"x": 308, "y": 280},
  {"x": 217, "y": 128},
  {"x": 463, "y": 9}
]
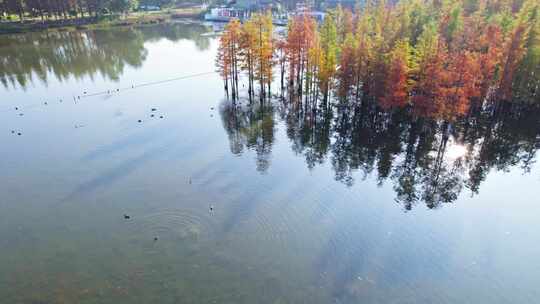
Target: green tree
[{"x": 328, "y": 35}]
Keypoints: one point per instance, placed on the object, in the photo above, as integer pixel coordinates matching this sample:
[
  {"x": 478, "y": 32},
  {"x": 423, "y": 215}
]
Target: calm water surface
[{"x": 302, "y": 212}]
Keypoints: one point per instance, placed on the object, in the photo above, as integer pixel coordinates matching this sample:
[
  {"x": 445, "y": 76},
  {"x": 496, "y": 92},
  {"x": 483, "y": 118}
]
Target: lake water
[{"x": 247, "y": 204}]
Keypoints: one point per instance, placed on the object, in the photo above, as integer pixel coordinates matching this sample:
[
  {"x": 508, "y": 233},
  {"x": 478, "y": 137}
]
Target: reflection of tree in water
[
  {"x": 69, "y": 54},
  {"x": 425, "y": 160},
  {"x": 363, "y": 142},
  {"x": 250, "y": 127},
  {"x": 431, "y": 161},
  {"x": 84, "y": 53},
  {"x": 179, "y": 31},
  {"x": 308, "y": 132}
]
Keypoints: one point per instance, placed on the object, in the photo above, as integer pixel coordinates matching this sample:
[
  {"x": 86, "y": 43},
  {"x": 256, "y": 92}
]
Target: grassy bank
[{"x": 134, "y": 18}]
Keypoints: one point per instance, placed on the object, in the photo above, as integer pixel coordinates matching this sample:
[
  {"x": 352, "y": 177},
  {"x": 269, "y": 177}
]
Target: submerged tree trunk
[
  {"x": 21, "y": 11},
  {"x": 226, "y": 85}
]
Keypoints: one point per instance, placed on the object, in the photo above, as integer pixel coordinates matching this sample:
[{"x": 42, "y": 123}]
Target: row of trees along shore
[
  {"x": 441, "y": 59},
  {"x": 62, "y": 9}
]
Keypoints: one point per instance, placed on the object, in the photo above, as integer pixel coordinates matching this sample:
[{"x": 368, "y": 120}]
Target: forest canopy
[{"x": 439, "y": 58}]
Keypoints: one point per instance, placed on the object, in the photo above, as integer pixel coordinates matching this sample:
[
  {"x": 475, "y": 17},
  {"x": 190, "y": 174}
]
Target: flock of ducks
[
  {"x": 78, "y": 97},
  {"x": 152, "y": 115},
  {"x": 126, "y": 216}
]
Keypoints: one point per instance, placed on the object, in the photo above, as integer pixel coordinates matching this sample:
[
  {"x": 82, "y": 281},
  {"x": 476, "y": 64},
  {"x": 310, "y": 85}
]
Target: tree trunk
[{"x": 21, "y": 12}]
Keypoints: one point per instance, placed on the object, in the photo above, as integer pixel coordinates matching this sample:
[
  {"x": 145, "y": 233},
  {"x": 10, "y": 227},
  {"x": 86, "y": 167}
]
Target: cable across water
[{"x": 20, "y": 108}]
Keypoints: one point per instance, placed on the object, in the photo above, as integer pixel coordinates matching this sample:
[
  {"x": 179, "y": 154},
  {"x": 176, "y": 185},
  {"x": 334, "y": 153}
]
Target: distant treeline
[
  {"x": 63, "y": 9},
  {"x": 438, "y": 58}
]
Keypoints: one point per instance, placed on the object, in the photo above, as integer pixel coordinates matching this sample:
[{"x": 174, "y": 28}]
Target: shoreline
[{"x": 136, "y": 18}]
